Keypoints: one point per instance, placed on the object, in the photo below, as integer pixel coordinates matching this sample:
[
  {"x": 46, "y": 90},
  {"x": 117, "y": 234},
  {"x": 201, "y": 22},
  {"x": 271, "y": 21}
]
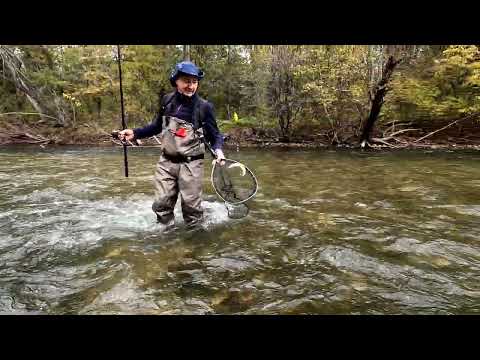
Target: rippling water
[{"x": 344, "y": 232}]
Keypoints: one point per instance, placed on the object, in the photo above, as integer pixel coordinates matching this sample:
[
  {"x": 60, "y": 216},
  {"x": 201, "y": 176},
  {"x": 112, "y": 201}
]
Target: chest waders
[{"x": 179, "y": 170}]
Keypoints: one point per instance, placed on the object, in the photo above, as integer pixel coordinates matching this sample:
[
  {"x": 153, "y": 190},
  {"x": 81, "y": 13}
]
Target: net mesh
[
  {"x": 233, "y": 182},
  {"x": 237, "y": 211}
]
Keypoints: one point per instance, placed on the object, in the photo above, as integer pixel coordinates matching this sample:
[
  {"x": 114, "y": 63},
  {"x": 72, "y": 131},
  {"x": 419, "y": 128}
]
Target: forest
[{"x": 393, "y": 96}]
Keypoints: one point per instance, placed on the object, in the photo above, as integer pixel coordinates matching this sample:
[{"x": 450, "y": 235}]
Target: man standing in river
[{"x": 184, "y": 118}]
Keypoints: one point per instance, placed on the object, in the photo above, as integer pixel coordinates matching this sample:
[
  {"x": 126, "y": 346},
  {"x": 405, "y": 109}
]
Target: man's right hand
[
  {"x": 220, "y": 159},
  {"x": 126, "y": 134}
]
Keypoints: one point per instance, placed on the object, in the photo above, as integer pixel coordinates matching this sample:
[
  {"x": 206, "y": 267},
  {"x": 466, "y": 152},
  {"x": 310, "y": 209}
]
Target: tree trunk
[
  {"x": 99, "y": 107},
  {"x": 186, "y": 52},
  {"x": 377, "y": 99},
  {"x": 38, "y": 108},
  {"x": 229, "y": 116}
]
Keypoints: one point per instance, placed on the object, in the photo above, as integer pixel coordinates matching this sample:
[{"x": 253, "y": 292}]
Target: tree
[
  {"x": 394, "y": 54},
  {"x": 254, "y": 83},
  {"x": 334, "y": 85},
  {"x": 442, "y": 85},
  {"x": 186, "y": 52},
  {"x": 16, "y": 72},
  {"x": 284, "y": 93},
  {"x": 377, "y": 99}
]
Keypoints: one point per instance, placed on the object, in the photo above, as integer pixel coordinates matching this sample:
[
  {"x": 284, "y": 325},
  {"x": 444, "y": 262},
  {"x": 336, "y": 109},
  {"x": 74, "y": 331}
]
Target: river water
[{"x": 329, "y": 232}]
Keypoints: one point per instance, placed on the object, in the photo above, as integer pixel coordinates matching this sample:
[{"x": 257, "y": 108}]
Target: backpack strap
[
  {"x": 199, "y": 112},
  {"x": 166, "y": 101}
]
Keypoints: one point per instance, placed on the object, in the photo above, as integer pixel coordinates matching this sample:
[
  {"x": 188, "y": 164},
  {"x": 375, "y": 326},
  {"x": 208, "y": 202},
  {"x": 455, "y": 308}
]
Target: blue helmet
[{"x": 185, "y": 68}]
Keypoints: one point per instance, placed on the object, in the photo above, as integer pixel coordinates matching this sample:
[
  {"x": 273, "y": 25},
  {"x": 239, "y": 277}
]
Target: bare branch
[
  {"x": 443, "y": 128},
  {"x": 401, "y": 131},
  {"x": 27, "y": 113}
]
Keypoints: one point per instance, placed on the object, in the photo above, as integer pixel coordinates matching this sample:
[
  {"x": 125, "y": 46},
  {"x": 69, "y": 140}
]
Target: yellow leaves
[
  {"x": 357, "y": 90},
  {"x": 461, "y": 54},
  {"x": 73, "y": 100},
  {"x": 448, "y": 86},
  {"x": 474, "y": 78},
  {"x": 460, "y": 62}
]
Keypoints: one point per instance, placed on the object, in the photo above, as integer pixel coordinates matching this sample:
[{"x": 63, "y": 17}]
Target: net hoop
[{"x": 247, "y": 169}]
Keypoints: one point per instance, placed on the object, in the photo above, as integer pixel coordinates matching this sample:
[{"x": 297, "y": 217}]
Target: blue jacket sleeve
[
  {"x": 149, "y": 130},
  {"x": 212, "y": 133}
]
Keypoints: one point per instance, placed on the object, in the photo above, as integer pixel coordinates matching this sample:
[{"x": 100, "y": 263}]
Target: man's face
[{"x": 187, "y": 85}]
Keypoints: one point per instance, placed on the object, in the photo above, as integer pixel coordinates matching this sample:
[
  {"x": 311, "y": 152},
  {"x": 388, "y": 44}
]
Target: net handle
[{"x": 208, "y": 146}]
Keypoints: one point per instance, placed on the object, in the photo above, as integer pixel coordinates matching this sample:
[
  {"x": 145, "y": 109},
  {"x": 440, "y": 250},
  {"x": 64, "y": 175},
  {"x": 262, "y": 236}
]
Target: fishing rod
[{"x": 124, "y": 125}]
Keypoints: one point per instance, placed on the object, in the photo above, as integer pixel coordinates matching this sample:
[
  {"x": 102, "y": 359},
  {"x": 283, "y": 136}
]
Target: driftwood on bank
[
  {"x": 21, "y": 133},
  {"x": 22, "y": 138},
  {"x": 393, "y": 136},
  {"x": 414, "y": 142},
  {"x": 445, "y": 127},
  {"x": 11, "y": 134}
]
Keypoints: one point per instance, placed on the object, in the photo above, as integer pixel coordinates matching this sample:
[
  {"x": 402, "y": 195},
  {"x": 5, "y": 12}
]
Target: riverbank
[{"x": 427, "y": 136}]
